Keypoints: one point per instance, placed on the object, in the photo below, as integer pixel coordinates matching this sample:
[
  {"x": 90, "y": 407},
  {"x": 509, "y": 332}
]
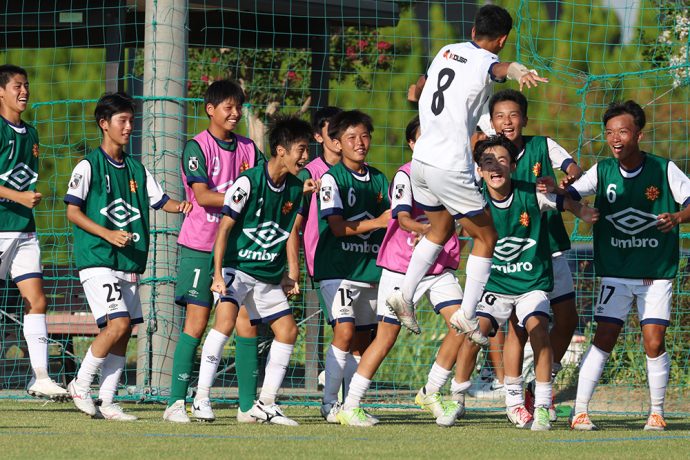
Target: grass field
[{"x": 32, "y": 429}]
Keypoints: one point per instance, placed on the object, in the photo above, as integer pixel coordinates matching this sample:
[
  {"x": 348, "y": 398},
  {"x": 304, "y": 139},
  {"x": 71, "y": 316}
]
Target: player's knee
[
  {"x": 119, "y": 327},
  {"x": 36, "y": 303},
  {"x": 654, "y": 346}
]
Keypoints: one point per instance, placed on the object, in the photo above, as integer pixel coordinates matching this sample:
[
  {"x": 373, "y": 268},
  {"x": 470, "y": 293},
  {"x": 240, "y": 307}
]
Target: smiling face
[
  {"x": 495, "y": 167},
  {"x": 507, "y": 118},
  {"x": 623, "y": 137},
  {"x": 296, "y": 157},
  {"x": 354, "y": 143},
  {"x": 14, "y": 97},
  {"x": 118, "y": 129},
  {"x": 224, "y": 117}
]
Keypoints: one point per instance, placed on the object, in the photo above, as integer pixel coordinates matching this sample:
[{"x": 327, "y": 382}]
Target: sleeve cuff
[
  {"x": 686, "y": 203},
  {"x": 574, "y": 194},
  {"x": 196, "y": 180},
  {"x": 228, "y": 211},
  {"x": 493, "y": 77},
  {"x": 161, "y": 203},
  {"x": 401, "y": 208},
  {"x": 566, "y": 164},
  {"x": 71, "y": 199},
  {"x": 330, "y": 212}
]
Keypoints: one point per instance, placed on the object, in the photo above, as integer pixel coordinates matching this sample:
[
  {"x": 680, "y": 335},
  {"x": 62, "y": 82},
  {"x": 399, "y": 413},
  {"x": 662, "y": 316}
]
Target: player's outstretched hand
[
  {"x": 666, "y": 221},
  {"x": 218, "y": 285},
  {"x": 30, "y": 199},
  {"x": 589, "y": 215},
  {"x": 546, "y": 184},
  {"x": 524, "y": 76},
  {"x": 118, "y": 238},
  {"x": 311, "y": 186},
  {"x": 185, "y": 207},
  {"x": 290, "y": 285}
]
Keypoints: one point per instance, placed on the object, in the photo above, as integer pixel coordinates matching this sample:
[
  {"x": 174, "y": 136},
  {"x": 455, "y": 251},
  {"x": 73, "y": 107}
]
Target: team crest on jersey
[
  {"x": 239, "y": 195},
  {"x": 399, "y": 190},
  {"x": 244, "y": 166},
  {"x": 132, "y": 185},
  {"x": 524, "y": 219},
  {"x": 20, "y": 177},
  {"x": 74, "y": 182},
  {"x": 34, "y": 150},
  {"x": 193, "y": 163},
  {"x": 652, "y": 193},
  {"x": 536, "y": 169},
  {"x": 326, "y": 193},
  {"x": 287, "y": 207}
]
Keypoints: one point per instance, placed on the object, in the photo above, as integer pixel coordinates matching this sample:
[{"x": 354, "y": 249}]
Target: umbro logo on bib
[
  {"x": 510, "y": 247},
  {"x": 267, "y": 234},
  {"x": 20, "y": 177},
  {"x": 121, "y": 213},
  {"x": 632, "y": 221}
]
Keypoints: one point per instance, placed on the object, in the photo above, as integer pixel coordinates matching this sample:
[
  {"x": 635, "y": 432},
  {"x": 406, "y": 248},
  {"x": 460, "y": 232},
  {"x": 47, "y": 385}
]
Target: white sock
[
  {"x": 514, "y": 391},
  {"x": 350, "y": 369},
  {"x": 278, "y": 361},
  {"x": 335, "y": 367},
  {"x": 358, "y": 387},
  {"x": 110, "y": 377},
  {"x": 477, "y": 271},
  {"x": 88, "y": 370},
  {"x": 657, "y": 376},
  {"x": 458, "y": 390},
  {"x": 438, "y": 376},
  {"x": 423, "y": 257},
  {"x": 211, "y": 353},
  {"x": 543, "y": 392},
  {"x": 590, "y": 372},
  {"x": 36, "y": 336}
]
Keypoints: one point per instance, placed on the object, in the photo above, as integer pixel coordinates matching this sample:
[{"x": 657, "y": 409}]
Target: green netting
[{"x": 592, "y": 52}]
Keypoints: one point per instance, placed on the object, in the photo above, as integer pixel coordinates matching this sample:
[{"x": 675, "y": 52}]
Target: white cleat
[
  {"x": 541, "y": 420},
  {"x": 201, "y": 410},
  {"x": 373, "y": 420},
  {"x": 270, "y": 413},
  {"x": 403, "y": 310},
  {"x": 430, "y": 401},
  {"x": 176, "y": 413},
  {"x": 655, "y": 422},
  {"x": 81, "y": 398},
  {"x": 452, "y": 411},
  {"x": 354, "y": 417},
  {"x": 469, "y": 326},
  {"x": 581, "y": 421},
  {"x": 519, "y": 416},
  {"x": 113, "y": 412},
  {"x": 329, "y": 411},
  {"x": 47, "y": 388},
  {"x": 245, "y": 417}
]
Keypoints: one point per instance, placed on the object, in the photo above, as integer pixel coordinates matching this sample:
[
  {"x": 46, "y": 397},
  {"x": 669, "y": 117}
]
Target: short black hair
[
  {"x": 285, "y": 131},
  {"x": 492, "y": 22},
  {"x": 7, "y": 71},
  {"x": 508, "y": 95},
  {"x": 222, "y": 90},
  {"x": 113, "y": 103},
  {"x": 411, "y": 129},
  {"x": 344, "y": 120},
  {"x": 323, "y": 116},
  {"x": 621, "y": 108},
  {"x": 495, "y": 141}
]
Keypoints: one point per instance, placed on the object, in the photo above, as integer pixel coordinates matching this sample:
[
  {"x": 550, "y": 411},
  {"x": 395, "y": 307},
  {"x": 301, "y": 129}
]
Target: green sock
[
  {"x": 182, "y": 367},
  {"x": 247, "y": 368}
]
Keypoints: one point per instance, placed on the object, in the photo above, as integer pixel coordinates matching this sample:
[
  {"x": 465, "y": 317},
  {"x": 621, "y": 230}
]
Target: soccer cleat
[
  {"x": 176, "y": 413},
  {"x": 581, "y": 422},
  {"x": 353, "y": 417},
  {"x": 541, "y": 420},
  {"x": 329, "y": 411},
  {"x": 81, "y": 398},
  {"x": 202, "y": 411},
  {"x": 47, "y": 388},
  {"x": 465, "y": 325},
  {"x": 245, "y": 417},
  {"x": 403, "y": 310},
  {"x": 553, "y": 413},
  {"x": 270, "y": 413},
  {"x": 519, "y": 416},
  {"x": 113, "y": 412},
  {"x": 494, "y": 390},
  {"x": 373, "y": 420},
  {"x": 431, "y": 402},
  {"x": 655, "y": 422},
  {"x": 452, "y": 411}
]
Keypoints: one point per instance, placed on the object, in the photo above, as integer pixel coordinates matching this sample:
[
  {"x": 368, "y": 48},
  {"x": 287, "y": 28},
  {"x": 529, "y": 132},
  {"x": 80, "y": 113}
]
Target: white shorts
[
  {"x": 442, "y": 290},
  {"x": 350, "y": 302},
  {"x": 563, "y": 288},
  {"x": 498, "y": 307},
  {"x": 616, "y": 296},
  {"x": 112, "y": 294},
  {"x": 264, "y": 302},
  {"x": 456, "y": 191},
  {"x": 20, "y": 257}
]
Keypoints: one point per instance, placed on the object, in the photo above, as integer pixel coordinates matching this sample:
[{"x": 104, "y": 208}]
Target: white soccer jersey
[{"x": 458, "y": 85}]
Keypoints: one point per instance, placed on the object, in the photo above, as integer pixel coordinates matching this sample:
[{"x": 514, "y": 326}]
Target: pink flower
[
  {"x": 362, "y": 44},
  {"x": 214, "y": 59},
  {"x": 204, "y": 78},
  {"x": 351, "y": 53},
  {"x": 291, "y": 75},
  {"x": 383, "y": 45},
  {"x": 383, "y": 59}
]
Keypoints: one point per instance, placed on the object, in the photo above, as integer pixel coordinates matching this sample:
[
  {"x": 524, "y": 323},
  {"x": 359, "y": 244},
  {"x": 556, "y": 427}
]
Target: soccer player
[
  {"x": 640, "y": 196},
  {"x": 521, "y": 275},
  {"x": 441, "y": 287},
  {"x": 354, "y": 210},
  {"x": 539, "y": 156},
  {"x": 107, "y": 201},
  {"x": 452, "y": 97},
  {"x": 250, "y": 254},
  {"x": 21, "y": 254},
  {"x": 211, "y": 162}
]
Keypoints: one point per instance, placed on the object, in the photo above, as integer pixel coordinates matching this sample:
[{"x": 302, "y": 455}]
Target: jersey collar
[
  {"x": 272, "y": 185},
  {"x": 19, "y": 129},
  {"x": 111, "y": 160},
  {"x": 230, "y": 145}
]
